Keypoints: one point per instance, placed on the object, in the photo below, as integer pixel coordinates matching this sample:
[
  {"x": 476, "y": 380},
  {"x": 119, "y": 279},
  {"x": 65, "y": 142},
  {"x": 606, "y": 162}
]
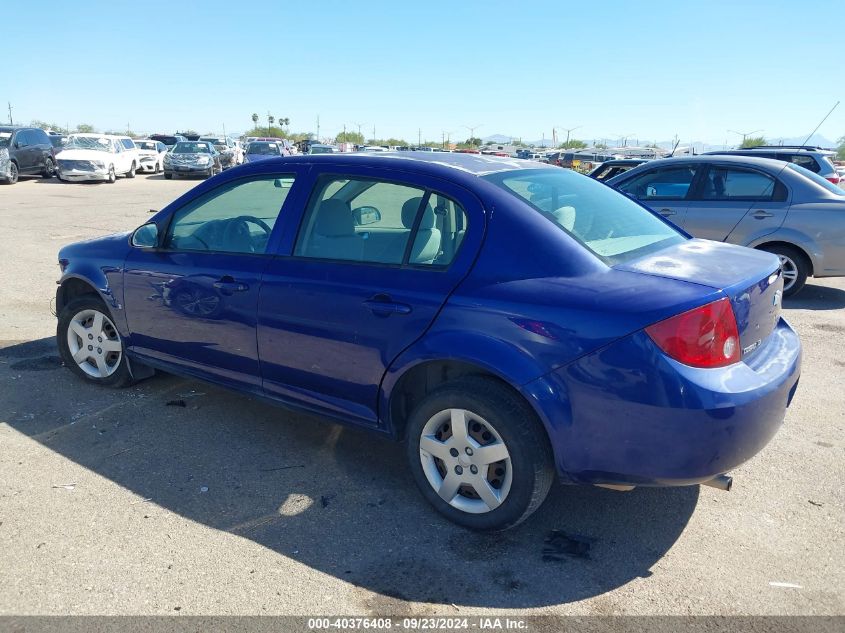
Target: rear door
[
  {"x": 373, "y": 260},
  {"x": 736, "y": 204},
  {"x": 664, "y": 189}
]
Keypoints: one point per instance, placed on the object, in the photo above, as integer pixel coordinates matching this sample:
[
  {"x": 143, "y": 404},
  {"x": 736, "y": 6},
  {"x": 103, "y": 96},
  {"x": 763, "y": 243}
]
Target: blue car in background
[
  {"x": 262, "y": 150},
  {"x": 509, "y": 322}
]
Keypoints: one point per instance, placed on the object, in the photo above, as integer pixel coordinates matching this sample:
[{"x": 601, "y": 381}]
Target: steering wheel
[{"x": 258, "y": 221}]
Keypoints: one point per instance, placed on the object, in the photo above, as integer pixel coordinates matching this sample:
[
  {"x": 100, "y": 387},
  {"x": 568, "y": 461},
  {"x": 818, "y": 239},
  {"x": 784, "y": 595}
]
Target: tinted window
[
  {"x": 146, "y": 145},
  {"x": 22, "y": 138},
  {"x": 191, "y": 147},
  {"x": 805, "y": 161},
  {"x": 235, "y": 218},
  {"x": 722, "y": 183},
  {"x": 606, "y": 222},
  {"x": 38, "y": 137},
  {"x": 668, "y": 183},
  {"x": 127, "y": 143}
]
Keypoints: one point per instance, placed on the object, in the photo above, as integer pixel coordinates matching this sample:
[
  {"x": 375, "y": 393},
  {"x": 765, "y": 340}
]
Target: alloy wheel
[
  {"x": 790, "y": 272},
  {"x": 466, "y": 461},
  {"x": 94, "y": 343}
]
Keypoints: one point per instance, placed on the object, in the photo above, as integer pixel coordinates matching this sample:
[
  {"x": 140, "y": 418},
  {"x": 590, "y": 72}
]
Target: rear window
[
  {"x": 611, "y": 226},
  {"x": 822, "y": 182}
]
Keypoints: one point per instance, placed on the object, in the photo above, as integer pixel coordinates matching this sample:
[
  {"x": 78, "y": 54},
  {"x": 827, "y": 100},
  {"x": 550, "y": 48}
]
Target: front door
[
  {"x": 373, "y": 262},
  {"x": 193, "y": 301},
  {"x": 736, "y": 204},
  {"x": 664, "y": 190}
]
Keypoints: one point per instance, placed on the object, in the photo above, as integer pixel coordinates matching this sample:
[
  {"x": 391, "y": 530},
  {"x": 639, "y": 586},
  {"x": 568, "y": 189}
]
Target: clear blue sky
[{"x": 649, "y": 69}]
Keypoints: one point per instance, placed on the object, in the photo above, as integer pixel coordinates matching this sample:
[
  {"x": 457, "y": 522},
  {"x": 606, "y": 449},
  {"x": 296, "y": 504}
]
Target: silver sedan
[{"x": 757, "y": 202}]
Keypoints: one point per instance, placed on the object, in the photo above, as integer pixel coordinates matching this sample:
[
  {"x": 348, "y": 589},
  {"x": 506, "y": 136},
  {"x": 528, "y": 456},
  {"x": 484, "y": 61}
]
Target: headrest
[
  {"x": 409, "y": 214},
  {"x": 334, "y": 218}
]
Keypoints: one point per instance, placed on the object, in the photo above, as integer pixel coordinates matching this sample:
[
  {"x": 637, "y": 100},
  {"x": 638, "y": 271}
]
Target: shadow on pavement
[
  {"x": 814, "y": 297},
  {"x": 338, "y": 500}
]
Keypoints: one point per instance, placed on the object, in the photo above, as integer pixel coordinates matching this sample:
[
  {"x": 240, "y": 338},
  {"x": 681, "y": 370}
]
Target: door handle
[
  {"x": 383, "y": 305},
  {"x": 228, "y": 284},
  {"x": 667, "y": 212},
  {"x": 760, "y": 214}
]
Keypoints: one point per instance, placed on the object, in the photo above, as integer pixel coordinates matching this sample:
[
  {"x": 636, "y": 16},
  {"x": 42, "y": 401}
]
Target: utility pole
[
  {"x": 472, "y": 129},
  {"x": 318, "y": 127},
  {"x": 10, "y": 113},
  {"x": 419, "y": 136},
  {"x": 744, "y": 135},
  {"x": 374, "y": 133},
  {"x": 569, "y": 130}
]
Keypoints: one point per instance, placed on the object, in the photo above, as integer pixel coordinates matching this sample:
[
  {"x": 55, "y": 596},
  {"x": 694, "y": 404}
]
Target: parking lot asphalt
[{"x": 116, "y": 502}]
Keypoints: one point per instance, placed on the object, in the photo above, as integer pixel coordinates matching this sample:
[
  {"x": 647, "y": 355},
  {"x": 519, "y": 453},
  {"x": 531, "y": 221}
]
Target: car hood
[
  {"x": 107, "y": 246},
  {"x": 85, "y": 154},
  {"x": 186, "y": 159},
  {"x": 254, "y": 158}
]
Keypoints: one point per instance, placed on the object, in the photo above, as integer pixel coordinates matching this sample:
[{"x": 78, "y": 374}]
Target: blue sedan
[{"x": 508, "y": 321}]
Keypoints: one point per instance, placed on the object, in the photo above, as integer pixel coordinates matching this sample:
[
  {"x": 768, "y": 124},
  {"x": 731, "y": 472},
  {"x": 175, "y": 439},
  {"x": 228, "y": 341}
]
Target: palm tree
[
  {"x": 285, "y": 121},
  {"x": 270, "y": 120},
  {"x": 254, "y": 120}
]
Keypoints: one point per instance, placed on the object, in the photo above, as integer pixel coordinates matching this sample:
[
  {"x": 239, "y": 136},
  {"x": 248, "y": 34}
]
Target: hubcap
[
  {"x": 790, "y": 271},
  {"x": 466, "y": 461},
  {"x": 94, "y": 343}
]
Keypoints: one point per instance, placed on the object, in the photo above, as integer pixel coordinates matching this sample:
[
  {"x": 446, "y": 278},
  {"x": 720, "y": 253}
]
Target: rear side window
[
  {"x": 128, "y": 143},
  {"x": 379, "y": 222},
  {"x": 668, "y": 183},
  {"x": 822, "y": 182},
  {"x": 805, "y": 161},
  {"x": 722, "y": 183},
  {"x": 607, "y": 223}
]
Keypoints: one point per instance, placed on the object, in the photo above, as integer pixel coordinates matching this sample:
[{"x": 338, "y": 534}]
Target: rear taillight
[
  {"x": 702, "y": 337},
  {"x": 834, "y": 179}
]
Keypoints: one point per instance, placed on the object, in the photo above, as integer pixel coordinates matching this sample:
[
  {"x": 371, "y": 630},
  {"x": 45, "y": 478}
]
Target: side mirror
[
  {"x": 145, "y": 236},
  {"x": 366, "y": 215}
]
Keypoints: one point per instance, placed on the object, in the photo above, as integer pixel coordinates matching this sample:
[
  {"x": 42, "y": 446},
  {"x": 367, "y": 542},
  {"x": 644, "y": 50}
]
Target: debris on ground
[
  {"x": 204, "y": 489},
  {"x": 559, "y": 544},
  {"x": 132, "y": 503},
  {"x": 785, "y": 585},
  {"x": 176, "y": 403},
  {"x": 324, "y": 500},
  {"x": 191, "y": 394},
  {"x": 269, "y": 470},
  {"x": 65, "y": 486},
  {"x": 815, "y": 503}
]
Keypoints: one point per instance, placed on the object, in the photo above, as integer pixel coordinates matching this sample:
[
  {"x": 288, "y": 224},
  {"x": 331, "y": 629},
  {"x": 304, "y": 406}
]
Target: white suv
[
  {"x": 817, "y": 159},
  {"x": 96, "y": 157}
]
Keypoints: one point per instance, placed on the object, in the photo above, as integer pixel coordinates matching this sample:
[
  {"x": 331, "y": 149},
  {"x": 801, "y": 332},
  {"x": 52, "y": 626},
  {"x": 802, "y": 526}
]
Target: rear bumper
[
  {"x": 630, "y": 415},
  {"x": 80, "y": 176}
]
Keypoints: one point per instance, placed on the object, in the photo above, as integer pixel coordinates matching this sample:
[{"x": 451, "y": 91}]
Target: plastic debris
[
  {"x": 65, "y": 486},
  {"x": 204, "y": 489},
  {"x": 786, "y": 585}
]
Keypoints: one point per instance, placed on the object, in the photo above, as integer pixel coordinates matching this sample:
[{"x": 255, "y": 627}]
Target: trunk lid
[{"x": 751, "y": 279}]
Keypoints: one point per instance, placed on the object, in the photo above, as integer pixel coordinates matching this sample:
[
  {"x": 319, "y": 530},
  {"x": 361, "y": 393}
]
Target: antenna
[{"x": 806, "y": 140}]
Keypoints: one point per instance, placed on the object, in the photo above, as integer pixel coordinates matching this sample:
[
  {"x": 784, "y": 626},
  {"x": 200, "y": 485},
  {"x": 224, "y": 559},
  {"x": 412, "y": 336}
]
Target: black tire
[
  {"x": 168, "y": 175},
  {"x": 121, "y": 376},
  {"x": 112, "y": 175},
  {"x": 131, "y": 172},
  {"x": 13, "y": 174},
  {"x": 791, "y": 258},
  {"x": 157, "y": 168},
  {"x": 526, "y": 440},
  {"x": 49, "y": 169}
]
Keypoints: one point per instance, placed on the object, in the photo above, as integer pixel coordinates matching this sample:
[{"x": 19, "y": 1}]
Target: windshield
[
  {"x": 190, "y": 147},
  {"x": 146, "y": 145},
  {"x": 609, "y": 224},
  {"x": 5, "y": 137},
  {"x": 263, "y": 148},
  {"x": 98, "y": 143},
  {"x": 58, "y": 141},
  {"x": 817, "y": 179}
]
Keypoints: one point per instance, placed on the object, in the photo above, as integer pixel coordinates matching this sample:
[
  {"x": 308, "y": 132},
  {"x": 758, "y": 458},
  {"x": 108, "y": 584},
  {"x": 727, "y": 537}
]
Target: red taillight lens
[
  {"x": 834, "y": 179},
  {"x": 702, "y": 337}
]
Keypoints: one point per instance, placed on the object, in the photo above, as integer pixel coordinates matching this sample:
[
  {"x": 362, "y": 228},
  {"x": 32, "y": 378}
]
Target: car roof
[
  {"x": 434, "y": 163},
  {"x": 743, "y": 159}
]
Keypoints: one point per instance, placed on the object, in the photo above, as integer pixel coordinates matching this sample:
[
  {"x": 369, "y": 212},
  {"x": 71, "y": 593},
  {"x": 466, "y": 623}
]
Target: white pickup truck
[{"x": 96, "y": 157}]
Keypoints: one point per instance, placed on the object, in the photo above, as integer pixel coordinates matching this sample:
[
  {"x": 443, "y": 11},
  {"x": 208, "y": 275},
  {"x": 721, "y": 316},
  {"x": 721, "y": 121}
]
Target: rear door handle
[
  {"x": 228, "y": 284},
  {"x": 383, "y": 305},
  {"x": 760, "y": 214},
  {"x": 667, "y": 212}
]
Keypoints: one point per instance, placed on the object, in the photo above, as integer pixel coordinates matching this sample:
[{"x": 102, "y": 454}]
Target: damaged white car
[
  {"x": 95, "y": 157},
  {"x": 152, "y": 155}
]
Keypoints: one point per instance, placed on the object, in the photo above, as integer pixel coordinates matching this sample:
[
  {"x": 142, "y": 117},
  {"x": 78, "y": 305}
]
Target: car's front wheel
[
  {"x": 12, "y": 176},
  {"x": 49, "y": 169},
  {"x": 131, "y": 172},
  {"x": 90, "y": 344},
  {"x": 795, "y": 267},
  {"x": 112, "y": 177},
  {"x": 479, "y": 454},
  {"x": 168, "y": 175}
]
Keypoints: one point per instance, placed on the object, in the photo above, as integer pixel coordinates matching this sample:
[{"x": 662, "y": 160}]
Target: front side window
[
  {"x": 668, "y": 183},
  {"x": 723, "y": 183},
  {"x": 127, "y": 143},
  {"x": 365, "y": 220},
  {"x": 235, "y": 218},
  {"x": 607, "y": 223}
]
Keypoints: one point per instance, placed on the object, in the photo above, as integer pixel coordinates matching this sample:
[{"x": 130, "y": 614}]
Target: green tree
[
  {"x": 840, "y": 151},
  {"x": 85, "y": 127},
  {"x": 573, "y": 143},
  {"x": 753, "y": 141},
  {"x": 254, "y": 119},
  {"x": 473, "y": 141},
  {"x": 350, "y": 137},
  {"x": 271, "y": 132}
]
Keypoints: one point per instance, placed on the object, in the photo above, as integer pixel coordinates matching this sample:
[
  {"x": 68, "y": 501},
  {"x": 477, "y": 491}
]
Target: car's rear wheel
[
  {"x": 479, "y": 454},
  {"x": 13, "y": 174},
  {"x": 157, "y": 168},
  {"x": 90, "y": 344},
  {"x": 794, "y": 265},
  {"x": 112, "y": 174},
  {"x": 49, "y": 168}
]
